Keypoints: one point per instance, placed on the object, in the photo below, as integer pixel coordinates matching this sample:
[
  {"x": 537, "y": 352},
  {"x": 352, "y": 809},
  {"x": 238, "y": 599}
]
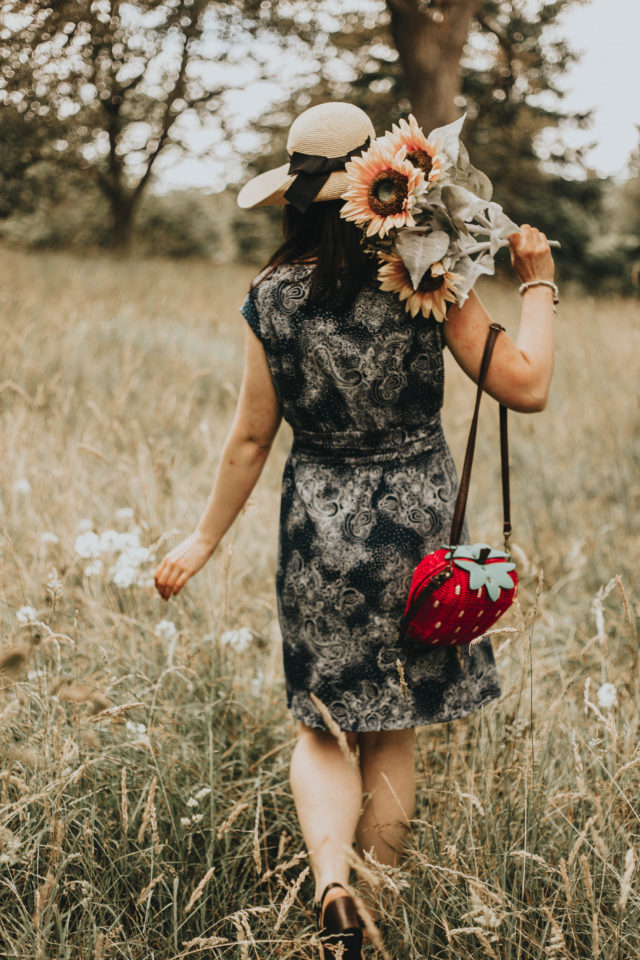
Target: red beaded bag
[{"x": 459, "y": 591}]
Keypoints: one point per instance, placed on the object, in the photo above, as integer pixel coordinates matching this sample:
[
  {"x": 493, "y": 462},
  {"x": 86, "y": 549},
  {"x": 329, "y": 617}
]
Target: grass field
[{"x": 145, "y": 809}]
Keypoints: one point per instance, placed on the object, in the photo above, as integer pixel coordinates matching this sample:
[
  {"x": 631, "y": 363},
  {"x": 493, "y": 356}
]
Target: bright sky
[{"x": 606, "y": 80}]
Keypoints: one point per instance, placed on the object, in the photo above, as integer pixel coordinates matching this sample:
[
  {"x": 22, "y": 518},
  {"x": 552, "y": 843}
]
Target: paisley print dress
[{"x": 368, "y": 488}]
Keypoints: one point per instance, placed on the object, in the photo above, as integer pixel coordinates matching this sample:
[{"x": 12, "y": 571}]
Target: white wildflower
[
  {"x": 109, "y": 541},
  {"x": 135, "y": 555},
  {"x": 607, "y": 696},
  {"x": 9, "y": 847},
  {"x": 123, "y": 576},
  {"x": 238, "y": 639},
  {"x": 166, "y": 630},
  {"x": 134, "y": 727},
  {"x": 125, "y": 571},
  {"x": 113, "y": 541},
  {"x": 185, "y": 821},
  {"x": 83, "y": 525},
  {"x": 93, "y": 569},
  {"x": 197, "y": 817},
  {"x": 22, "y": 486},
  {"x": 192, "y": 802},
  {"x": 124, "y": 513},
  {"x": 138, "y": 731},
  {"x": 49, "y": 537},
  {"x": 26, "y": 614},
  {"x": 204, "y": 792},
  {"x": 130, "y": 539},
  {"x": 87, "y": 545}
]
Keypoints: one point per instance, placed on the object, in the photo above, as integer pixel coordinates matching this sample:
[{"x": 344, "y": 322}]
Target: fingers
[
  {"x": 170, "y": 578},
  {"x": 180, "y": 582},
  {"x": 530, "y": 254},
  {"x": 160, "y": 580},
  {"x": 528, "y": 239},
  {"x": 180, "y": 564}
]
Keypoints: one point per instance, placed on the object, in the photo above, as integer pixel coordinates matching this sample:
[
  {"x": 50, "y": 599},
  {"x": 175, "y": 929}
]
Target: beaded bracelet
[{"x": 540, "y": 283}]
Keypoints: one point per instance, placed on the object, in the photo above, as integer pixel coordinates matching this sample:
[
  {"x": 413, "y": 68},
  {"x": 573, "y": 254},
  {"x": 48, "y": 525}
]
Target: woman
[{"x": 368, "y": 489}]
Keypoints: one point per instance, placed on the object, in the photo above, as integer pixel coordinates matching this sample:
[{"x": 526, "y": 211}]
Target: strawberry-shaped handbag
[{"x": 459, "y": 591}]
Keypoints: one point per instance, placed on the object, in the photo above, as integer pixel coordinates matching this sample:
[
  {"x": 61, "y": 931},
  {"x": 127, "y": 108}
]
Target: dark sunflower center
[
  {"x": 421, "y": 159},
  {"x": 388, "y": 192},
  {"x": 428, "y": 283}
]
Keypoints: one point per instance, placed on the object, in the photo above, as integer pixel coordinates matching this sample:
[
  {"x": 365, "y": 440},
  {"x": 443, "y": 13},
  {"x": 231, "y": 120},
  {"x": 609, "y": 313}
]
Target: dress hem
[{"x": 458, "y": 715}]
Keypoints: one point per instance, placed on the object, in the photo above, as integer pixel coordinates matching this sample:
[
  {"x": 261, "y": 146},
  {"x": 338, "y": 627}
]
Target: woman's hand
[
  {"x": 531, "y": 255},
  {"x": 181, "y": 563}
]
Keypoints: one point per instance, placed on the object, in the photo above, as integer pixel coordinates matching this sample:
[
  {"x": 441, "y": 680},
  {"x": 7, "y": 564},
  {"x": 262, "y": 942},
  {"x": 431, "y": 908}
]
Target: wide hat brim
[{"x": 269, "y": 188}]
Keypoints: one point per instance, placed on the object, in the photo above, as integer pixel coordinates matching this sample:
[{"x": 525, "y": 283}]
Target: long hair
[{"x": 341, "y": 265}]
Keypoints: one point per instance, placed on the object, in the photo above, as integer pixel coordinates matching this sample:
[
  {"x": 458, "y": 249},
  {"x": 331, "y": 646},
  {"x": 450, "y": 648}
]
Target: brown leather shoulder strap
[{"x": 463, "y": 490}]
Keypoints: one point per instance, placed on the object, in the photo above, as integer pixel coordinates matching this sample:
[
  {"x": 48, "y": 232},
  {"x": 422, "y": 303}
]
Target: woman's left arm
[
  {"x": 258, "y": 416},
  {"x": 520, "y": 371}
]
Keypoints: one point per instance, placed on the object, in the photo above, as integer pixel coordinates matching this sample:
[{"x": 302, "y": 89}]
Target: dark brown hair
[{"x": 321, "y": 235}]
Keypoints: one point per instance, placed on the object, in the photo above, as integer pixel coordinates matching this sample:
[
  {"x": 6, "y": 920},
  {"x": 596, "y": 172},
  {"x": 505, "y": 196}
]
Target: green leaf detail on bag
[
  {"x": 472, "y": 551},
  {"x": 493, "y": 576}
]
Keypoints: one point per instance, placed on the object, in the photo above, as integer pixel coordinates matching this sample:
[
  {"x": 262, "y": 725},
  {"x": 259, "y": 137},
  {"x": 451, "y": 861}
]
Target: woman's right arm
[
  {"x": 520, "y": 372},
  {"x": 243, "y": 456}
]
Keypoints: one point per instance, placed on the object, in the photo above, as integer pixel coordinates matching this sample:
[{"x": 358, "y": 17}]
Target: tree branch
[{"x": 501, "y": 37}]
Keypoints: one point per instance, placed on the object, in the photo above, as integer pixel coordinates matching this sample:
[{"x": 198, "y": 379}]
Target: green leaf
[
  {"x": 466, "y": 564},
  {"x": 465, "y": 551},
  {"x": 420, "y": 250},
  {"x": 448, "y": 139},
  {"x": 462, "y": 205},
  {"x": 493, "y": 590},
  {"x": 479, "y": 183},
  {"x": 477, "y": 577},
  {"x": 497, "y": 576},
  {"x": 500, "y": 553},
  {"x": 501, "y": 575}
]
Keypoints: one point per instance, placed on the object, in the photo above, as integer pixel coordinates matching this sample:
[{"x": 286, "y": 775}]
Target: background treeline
[{"x": 99, "y": 98}]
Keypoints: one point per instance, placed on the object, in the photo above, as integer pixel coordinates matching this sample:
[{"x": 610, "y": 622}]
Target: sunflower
[
  {"x": 435, "y": 291},
  {"x": 382, "y": 189},
  {"x": 421, "y": 152}
]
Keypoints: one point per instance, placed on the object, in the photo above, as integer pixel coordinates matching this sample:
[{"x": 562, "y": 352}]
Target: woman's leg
[
  {"x": 388, "y": 780},
  {"x": 327, "y": 790}
]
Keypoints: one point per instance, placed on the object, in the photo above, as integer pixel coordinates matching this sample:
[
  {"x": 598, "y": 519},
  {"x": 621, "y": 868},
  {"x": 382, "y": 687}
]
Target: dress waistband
[{"x": 376, "y": 445}]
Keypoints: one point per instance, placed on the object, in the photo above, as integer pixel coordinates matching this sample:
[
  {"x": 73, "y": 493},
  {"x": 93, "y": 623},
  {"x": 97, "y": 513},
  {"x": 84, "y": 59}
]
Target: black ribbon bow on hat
[{"x": 312, "y": 174}]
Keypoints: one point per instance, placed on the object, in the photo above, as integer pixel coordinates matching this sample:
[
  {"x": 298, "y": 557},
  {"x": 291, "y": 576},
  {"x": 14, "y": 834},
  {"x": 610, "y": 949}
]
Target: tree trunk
[
  {"x": 122, "y": 213},
  {"x": 430, "y": 40}
]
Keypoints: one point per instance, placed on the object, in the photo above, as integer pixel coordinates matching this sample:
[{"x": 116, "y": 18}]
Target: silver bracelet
[{"x": 540, "y": 283}]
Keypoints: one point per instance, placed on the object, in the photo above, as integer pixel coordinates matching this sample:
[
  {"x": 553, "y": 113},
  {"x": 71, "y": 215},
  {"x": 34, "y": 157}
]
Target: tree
[
  {"x": 499, "y": 61},
  {"x": 430, "y": 39},
  {"x": 102, "y": 88}
]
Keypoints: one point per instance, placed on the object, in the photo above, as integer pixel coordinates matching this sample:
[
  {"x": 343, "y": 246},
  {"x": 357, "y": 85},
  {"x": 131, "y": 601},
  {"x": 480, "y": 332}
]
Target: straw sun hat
[{"x": 321, "y": 141}]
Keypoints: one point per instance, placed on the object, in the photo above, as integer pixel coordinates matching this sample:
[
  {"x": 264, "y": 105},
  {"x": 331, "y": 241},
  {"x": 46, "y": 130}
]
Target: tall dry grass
[{"x": 145, "y": 810}]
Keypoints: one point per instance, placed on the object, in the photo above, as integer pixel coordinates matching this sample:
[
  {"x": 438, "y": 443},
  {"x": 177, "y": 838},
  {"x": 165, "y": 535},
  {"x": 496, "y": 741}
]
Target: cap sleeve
[{"x": 250, "y": 312}]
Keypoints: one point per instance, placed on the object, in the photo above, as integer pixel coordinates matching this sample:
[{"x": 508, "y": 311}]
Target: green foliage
[
  {"x": 97, "y": 89},
  {"x": 511, "y": 71},
  {"x": 619, "y": 245},
  {"x": 180, "y": 224},
  {"x": 186, "y": 223},
  {"x": 91, "y": 118}
]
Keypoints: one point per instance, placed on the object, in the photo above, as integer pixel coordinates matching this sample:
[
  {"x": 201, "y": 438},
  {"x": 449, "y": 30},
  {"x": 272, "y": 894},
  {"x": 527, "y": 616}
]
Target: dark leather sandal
[{"x": 340, "y": 925}]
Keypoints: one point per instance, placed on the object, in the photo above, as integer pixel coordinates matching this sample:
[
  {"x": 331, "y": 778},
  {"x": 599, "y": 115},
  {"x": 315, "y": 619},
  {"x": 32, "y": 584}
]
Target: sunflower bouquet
[{"x": 426, "y": 214}]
